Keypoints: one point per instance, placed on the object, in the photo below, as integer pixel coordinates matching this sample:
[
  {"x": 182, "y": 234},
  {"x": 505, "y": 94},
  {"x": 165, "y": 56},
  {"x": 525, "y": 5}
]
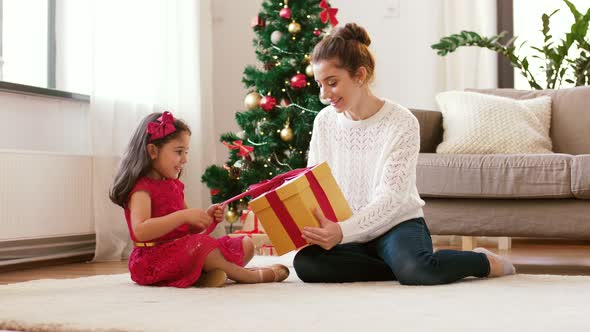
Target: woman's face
[{"x": 337, "y": 86}]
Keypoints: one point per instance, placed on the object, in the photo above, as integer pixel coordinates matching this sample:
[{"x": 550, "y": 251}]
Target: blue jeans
[{"x": 404, "y": 254}]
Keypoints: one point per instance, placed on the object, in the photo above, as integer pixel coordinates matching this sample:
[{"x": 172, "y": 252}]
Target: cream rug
[{"x": 515, "y": 303}]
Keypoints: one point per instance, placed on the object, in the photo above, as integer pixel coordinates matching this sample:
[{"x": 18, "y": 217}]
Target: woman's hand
[
  {"x": 328, "y": 235},
  {"x": 215, "y": 211},
  {"x": 198, "y": 218}
]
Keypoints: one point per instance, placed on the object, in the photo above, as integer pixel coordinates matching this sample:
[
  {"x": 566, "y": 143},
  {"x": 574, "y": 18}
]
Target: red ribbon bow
[
  {"x": 162, "y": 127},
  {"x": 265, "y": 186},
  {"x": 245, "y": 150},
  {"x": 328, "y": 13}
]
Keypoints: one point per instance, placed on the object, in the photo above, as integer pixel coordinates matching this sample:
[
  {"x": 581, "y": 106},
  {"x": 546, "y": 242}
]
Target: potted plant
[{"x": 566, "y": 59}]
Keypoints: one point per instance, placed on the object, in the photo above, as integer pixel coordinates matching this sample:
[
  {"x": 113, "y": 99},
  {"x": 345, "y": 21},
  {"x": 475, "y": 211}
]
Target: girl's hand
[
  {"x": 216, "y": 212},
  {"x": 198, "y": 218},
  {"x": 328, "y": 235}
]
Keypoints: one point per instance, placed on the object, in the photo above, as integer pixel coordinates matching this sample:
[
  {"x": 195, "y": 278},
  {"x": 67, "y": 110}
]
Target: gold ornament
[
  {"x": 287, "y": 134},
  {"x": 309, "y": 71},
  {"x": 294, "y": 27},
  {"x": 252, "y": 100},
  {"x": 231, "y": 216}
]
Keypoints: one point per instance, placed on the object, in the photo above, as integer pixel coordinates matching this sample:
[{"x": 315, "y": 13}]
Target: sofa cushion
[
  {"x": 430, "y": 129},
  {"x": 581, "y": 176},
  {"x": 476, "y": 123},
  {"x": 494, "y": 176},
  {"x": 570, "y": 115}
]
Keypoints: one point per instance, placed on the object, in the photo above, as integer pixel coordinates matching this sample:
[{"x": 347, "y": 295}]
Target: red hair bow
[
  {"x": 328, "y": 13},
  {"x": 245, "y": 150},
  {"x": 162, "y": 127}
]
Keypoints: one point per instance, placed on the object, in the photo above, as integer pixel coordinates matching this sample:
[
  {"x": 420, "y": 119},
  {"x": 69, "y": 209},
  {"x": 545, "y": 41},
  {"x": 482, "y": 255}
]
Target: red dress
[{"x": 178, "y": 257}]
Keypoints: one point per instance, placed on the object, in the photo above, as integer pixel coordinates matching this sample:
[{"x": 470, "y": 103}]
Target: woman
[{"x": 372, "y": 146}]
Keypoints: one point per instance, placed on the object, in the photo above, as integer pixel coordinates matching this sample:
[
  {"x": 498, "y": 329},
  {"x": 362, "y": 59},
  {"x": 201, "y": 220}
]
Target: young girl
[{"x": 171, "y": 248}]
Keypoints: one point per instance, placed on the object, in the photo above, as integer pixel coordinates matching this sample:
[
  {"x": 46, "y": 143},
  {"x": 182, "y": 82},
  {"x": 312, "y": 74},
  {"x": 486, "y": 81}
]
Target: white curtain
[
  {"x": 469, "y": 67},
  {"x": 148, "y": 56}
]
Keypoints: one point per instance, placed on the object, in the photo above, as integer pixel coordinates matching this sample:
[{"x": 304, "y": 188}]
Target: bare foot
[
  {"x": 273, "y": 273},
  {"x": 499, "y": 266}
]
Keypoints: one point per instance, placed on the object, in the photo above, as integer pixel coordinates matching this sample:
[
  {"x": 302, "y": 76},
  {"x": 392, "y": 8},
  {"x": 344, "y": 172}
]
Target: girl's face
[
  {"x": 168, "y": 160},
  {"x": 337, "y": 86}
]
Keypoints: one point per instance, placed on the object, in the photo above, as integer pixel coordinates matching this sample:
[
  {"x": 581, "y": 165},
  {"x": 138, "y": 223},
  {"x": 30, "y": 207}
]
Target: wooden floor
[{"x": 534, "y": 257}]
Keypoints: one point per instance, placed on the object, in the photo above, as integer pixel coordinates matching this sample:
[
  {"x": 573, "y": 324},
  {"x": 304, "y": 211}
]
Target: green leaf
[
  {"x": 525, "y": 64},
  {"x": 573, "y": 9}
]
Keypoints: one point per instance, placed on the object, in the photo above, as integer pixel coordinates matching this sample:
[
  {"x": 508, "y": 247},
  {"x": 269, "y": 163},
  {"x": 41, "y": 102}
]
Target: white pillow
[{"x": 476, "y": 123}]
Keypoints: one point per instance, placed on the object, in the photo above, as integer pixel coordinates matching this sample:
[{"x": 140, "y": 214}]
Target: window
[
  {"x": 46, "y": 44},
  {"x": 24, "y": 42},
  {"x": 528, "y": 24}
]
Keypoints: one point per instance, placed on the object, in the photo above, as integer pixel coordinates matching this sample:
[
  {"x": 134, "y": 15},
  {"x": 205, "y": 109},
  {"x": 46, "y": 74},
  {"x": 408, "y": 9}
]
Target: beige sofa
[{"x": 522, "y": 195}]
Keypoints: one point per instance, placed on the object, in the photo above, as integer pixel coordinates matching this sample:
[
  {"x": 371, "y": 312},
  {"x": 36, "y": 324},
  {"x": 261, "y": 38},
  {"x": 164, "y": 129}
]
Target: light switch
[{"x": 391, "y": 9}]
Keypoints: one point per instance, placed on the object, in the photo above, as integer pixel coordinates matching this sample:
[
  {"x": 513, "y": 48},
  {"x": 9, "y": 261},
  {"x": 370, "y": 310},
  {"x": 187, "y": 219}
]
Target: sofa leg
[
  {"x": 504, "y": 243},
  {"x": 468, "y": 242}
]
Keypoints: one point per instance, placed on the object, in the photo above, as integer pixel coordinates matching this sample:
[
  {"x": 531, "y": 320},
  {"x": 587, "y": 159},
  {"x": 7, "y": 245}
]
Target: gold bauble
[
  {"x": 294, "y": 27},
  {"x": 231, "y": 216},
  {"x": 287, "y": 134},
  {"x": 252, "y": 100},
  {"x": 309, "y": 70}
]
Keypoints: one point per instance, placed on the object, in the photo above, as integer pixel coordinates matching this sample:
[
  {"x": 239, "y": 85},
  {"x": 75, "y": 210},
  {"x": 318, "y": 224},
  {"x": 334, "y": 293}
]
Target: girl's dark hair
[
  {"x": 136, "y": 161},
  {"x": 350, "y": 46}
]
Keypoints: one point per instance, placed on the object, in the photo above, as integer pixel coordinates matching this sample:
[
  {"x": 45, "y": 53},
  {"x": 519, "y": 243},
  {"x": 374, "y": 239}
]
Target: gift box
[
  {"x": 260, "y": 241},
  {"x": 267, "y": 250},
  {"x": 253, "y": 229},
  {"x": 250, "y": 223},
  {"x": 286, "y": 209}
]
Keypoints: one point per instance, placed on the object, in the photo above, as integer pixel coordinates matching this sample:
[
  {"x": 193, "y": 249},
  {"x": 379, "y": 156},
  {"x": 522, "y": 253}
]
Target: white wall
[
  {"x": 43, "y": 124},
  {"x": 401, "y": 34},
  {"x": 232, "y": 51},
  {"x": 401, "y": 31}
]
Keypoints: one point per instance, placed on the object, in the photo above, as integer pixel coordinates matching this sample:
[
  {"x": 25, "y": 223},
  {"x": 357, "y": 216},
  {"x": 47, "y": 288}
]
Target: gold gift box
[{"x": 285, "y": 210}]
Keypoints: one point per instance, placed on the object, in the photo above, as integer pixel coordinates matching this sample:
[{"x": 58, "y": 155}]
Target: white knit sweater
[{"x": 374, "y": 162}]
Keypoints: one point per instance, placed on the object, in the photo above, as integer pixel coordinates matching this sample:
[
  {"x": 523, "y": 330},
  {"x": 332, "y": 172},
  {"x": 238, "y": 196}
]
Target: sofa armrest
[{"x": 430, "y": 129}]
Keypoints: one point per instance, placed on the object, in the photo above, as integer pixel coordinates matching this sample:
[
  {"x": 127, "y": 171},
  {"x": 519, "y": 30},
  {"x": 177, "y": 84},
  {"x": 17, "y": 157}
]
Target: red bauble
[
  {"x": 317, "y": 32},
  {"x": 298, "y": 81},
  {"x": 268, "y": 103},
  {"x": 285, "y": 13}
]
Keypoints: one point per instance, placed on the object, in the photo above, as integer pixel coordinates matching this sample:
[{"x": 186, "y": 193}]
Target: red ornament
[
  {"x": 298, "y": 81},
  {"x": 257, "y": 21},
  {"x": 268, "y": 103},
  {"x": 214, "y": 192},
  {"x": 285, "y": 13},
  {"x": 317, "y": 32}
]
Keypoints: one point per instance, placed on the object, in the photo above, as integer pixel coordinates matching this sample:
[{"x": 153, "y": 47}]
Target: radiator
[{"x": 43, "y": 196}]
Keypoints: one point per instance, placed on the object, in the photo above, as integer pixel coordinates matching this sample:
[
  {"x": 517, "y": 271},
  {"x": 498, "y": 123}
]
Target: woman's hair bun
[{"x": 352, "y": 31}]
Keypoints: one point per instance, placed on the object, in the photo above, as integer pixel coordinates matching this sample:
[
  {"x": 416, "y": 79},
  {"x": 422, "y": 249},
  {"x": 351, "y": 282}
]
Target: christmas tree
[{"x": 282, "y": 103}]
